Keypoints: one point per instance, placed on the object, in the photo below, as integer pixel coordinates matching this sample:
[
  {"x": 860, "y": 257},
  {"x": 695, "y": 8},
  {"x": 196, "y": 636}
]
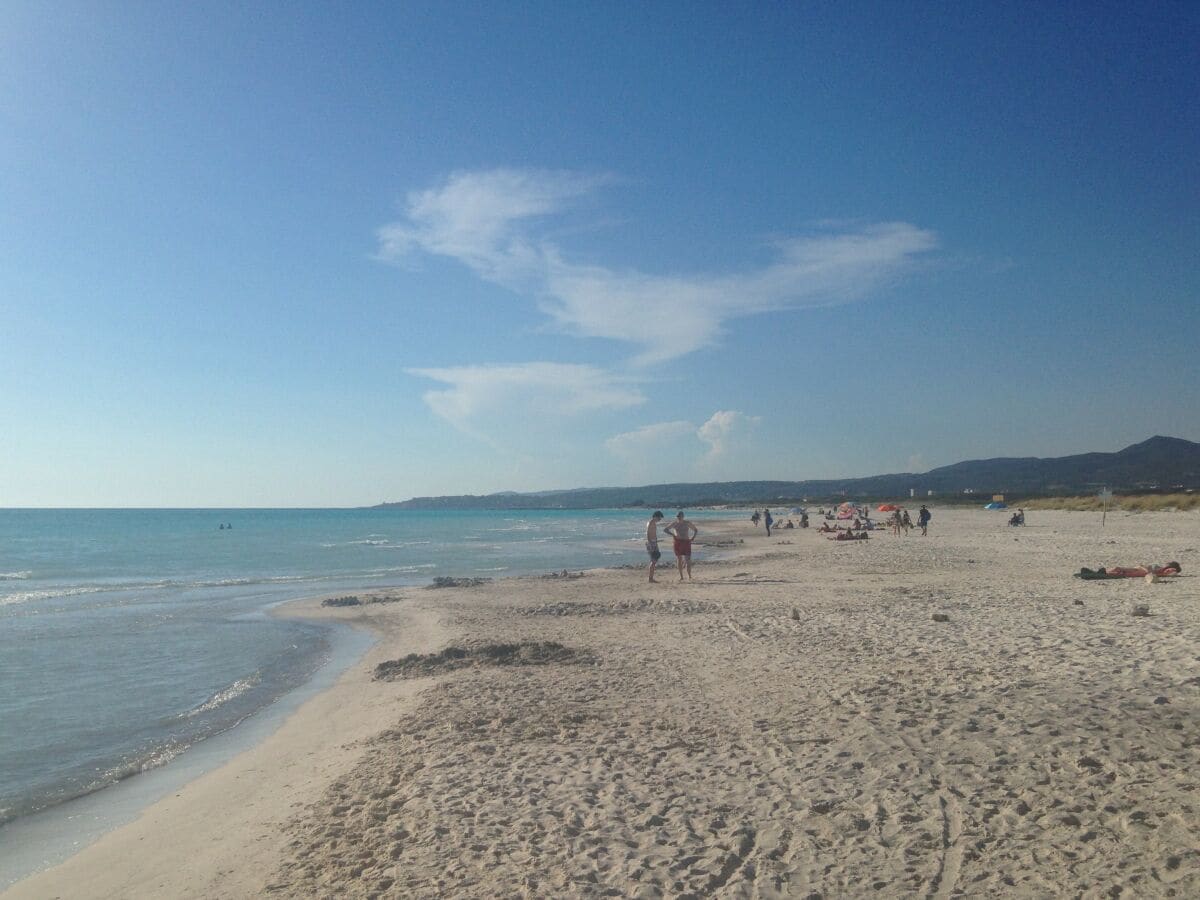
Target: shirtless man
[
  {"x": 682, "y": 531},
  {"x": 652, "y": 542}
]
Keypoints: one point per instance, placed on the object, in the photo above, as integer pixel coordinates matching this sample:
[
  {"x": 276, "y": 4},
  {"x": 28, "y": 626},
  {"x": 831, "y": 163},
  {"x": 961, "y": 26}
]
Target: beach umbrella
[{"x": 887, "y": 507}]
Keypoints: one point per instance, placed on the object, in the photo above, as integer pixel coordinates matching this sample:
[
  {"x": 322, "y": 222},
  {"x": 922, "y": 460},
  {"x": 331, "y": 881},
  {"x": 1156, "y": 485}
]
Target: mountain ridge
[{"x": 1159, "y": 462}]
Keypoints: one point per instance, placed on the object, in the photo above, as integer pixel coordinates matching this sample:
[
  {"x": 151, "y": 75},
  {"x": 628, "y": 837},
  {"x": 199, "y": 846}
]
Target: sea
[{"x": 129, "y": 637}]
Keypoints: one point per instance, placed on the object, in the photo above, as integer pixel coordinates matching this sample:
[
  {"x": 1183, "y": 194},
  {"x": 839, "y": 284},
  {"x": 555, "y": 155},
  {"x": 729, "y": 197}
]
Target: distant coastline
[{"x": 1157, "y": 465}]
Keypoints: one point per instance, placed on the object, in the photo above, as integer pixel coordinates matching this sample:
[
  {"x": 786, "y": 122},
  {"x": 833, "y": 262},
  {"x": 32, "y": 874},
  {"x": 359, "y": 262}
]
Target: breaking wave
[{"x": 220, "y": 698}]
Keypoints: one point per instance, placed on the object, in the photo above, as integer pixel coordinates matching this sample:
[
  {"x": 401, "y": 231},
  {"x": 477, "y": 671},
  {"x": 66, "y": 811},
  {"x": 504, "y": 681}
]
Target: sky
[{"x": 334, "y": 254}]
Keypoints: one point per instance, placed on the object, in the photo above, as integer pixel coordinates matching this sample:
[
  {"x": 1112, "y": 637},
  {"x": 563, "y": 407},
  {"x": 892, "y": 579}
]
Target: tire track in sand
[{"x": 946, "y": 878}]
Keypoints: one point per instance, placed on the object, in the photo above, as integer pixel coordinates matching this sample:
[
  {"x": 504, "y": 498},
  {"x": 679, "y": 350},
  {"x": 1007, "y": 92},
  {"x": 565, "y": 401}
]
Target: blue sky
[{"x": 335, "y": 254}]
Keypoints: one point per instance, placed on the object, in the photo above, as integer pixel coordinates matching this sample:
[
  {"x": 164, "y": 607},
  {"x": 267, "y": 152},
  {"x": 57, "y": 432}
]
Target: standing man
[
  {"x": 766, "y": 519},
  {"x": 682, "y": 531},
  {"x": 923, "y": 518},
  {"x": 652, "y": 542}
]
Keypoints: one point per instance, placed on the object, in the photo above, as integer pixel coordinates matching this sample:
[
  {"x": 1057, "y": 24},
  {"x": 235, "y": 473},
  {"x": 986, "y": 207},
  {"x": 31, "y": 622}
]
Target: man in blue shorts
[{"x": 652, "y": 541}]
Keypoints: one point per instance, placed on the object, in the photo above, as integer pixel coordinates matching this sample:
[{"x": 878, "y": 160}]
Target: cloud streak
[
  {"x": 489, "y": 221},
  {"x": 681, "y": 440},
  {"x": 723, "y": 429},
  {"x": 649, "y": 439},
  {"x": 475, "y": 394}
]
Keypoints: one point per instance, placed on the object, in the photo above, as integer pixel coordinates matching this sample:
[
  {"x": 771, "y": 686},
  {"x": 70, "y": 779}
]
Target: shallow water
[{"x": 127, "y": 636}]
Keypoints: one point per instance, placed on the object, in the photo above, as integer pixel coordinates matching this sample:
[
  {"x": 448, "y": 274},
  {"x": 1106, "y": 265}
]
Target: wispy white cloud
[
  {"x": 524, "y": 392},
  {"x": 649, "y": 440},
  {"x": 487, "y": 220},
  {"x": 723, "y": 430},
  {"x": 477, "y": 217},
  {"x": 684, "y": 446}
]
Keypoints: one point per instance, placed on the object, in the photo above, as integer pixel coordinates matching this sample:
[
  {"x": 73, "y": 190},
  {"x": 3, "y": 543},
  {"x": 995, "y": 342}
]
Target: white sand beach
[{"x": 792, "y": 723}]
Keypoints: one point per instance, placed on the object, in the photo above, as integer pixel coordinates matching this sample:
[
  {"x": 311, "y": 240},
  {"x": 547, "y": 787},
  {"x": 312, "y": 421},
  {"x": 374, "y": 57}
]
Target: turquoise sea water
[{"x": 127, "y": 636}]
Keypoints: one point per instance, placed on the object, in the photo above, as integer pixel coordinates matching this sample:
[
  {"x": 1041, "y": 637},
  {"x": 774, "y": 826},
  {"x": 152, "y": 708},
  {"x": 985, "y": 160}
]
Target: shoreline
[
  {"x": 103, "y": 849},
  {"x": 49, "y": 837},
  {"x": 40, "y": 840},
  {"x": 227, "y": 810},
  {"x": 792, "y": 722}
]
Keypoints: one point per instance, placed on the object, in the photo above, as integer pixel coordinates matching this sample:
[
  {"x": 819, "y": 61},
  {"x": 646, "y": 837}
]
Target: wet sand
[{"x": 792, "y": 723}]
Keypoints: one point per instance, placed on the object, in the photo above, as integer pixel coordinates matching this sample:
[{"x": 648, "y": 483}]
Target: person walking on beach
[
  {"x": 923, "y": 518},
  {"x": 652, "y": 542},
  {"x": 683, "y": 532},
  {"x": 767, "y": 520}
]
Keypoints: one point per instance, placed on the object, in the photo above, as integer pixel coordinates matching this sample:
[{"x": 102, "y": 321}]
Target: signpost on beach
[{"x": 1105, "y": 495}]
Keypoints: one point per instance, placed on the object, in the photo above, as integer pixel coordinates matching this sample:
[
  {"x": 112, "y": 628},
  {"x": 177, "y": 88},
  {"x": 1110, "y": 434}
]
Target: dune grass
[{"x": 1126, "y": 503}]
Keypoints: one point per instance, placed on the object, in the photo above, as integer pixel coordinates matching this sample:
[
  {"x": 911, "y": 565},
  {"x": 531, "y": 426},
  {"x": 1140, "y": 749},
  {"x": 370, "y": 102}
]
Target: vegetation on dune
[
  {"x": 1126, "y": 503},
  {"x": 1160, "y": 463}
]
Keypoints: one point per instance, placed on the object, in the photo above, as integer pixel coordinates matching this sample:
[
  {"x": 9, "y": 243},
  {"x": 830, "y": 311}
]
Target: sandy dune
[{"x": 793, "y": 723}]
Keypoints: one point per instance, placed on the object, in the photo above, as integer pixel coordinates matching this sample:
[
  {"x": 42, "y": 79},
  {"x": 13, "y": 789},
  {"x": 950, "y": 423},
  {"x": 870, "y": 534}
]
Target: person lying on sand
[
  {"x": 1171, "y": 568},
  {"x": 849, "y": 536}
]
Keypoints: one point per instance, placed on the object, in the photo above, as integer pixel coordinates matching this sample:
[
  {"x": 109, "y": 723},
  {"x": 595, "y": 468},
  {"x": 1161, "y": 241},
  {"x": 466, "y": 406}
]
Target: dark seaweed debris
[
  {"x": 342, "y": 601},
  {"x": 525, "y": 653},
  {"x": 445, "y": 581},
  {"x": 355, "y": 600}
]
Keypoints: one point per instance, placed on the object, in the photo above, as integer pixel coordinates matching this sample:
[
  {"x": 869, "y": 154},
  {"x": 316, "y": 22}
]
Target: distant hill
[{"x": 1160, "y": 463}]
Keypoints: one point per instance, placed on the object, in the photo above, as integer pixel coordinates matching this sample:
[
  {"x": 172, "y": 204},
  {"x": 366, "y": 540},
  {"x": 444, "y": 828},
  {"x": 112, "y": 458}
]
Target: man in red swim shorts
[{"x": 683, "y": 532}]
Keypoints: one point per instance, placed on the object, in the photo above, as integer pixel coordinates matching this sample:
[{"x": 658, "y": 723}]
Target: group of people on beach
[
  {"x": 901, "y": 521},
  {"x": 766, "y": 518},
  {"x": 682, "y": 534}
]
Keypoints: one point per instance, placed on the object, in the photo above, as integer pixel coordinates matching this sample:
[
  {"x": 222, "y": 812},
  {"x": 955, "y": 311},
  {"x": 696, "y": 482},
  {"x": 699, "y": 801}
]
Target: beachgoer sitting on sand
[
  {"x": 849, "y": 536},
  {"x": 825, "y": 529},
  {"x": 1171, "y": 568},
  {"x": 790, "y": 524}
]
